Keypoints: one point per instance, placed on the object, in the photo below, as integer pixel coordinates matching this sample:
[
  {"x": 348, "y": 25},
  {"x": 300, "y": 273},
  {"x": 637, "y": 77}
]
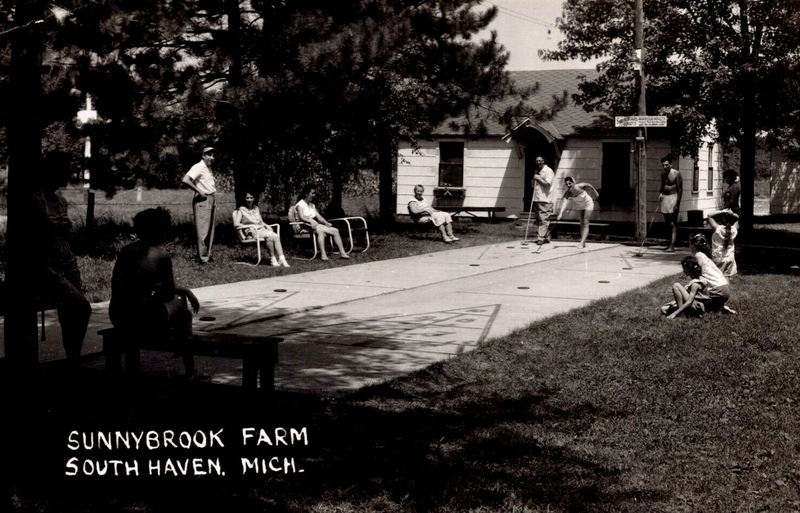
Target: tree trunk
[
  {"x": 747, "y": 149},
  {"x": 25, "y": 159},
  {"x": 386, "y": 165},
  {"x": 237, "y": 147},
  {"x": 334, "y": 208}
]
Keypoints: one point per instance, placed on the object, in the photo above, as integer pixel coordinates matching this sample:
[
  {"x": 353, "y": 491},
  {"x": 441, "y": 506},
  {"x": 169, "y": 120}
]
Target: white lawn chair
[{"x": 247, "y": 235}]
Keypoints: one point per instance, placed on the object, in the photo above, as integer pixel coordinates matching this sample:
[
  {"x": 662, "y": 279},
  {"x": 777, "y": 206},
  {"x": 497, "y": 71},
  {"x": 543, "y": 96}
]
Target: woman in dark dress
[{"x": 60, "y": 279}]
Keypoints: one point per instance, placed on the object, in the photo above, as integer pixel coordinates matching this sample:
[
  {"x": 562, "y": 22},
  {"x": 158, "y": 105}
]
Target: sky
[{"x": 522, "y": 27}]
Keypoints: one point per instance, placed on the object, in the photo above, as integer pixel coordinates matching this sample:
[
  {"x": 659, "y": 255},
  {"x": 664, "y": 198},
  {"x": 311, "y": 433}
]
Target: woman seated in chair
[
  {"x": 422, "y": 212},
  {"x": 248, "y": 219},
  {"x": 307, "y": 212},
  {"x": 145, "y": 301}
]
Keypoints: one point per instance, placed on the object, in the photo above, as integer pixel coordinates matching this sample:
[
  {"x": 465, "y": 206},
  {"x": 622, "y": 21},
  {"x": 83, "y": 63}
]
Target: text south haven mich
[{"x": 134, "y": 453}]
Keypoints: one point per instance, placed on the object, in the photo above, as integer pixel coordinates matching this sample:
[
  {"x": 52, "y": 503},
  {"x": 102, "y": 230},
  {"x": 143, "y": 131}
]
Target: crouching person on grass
[
  {"x": 145, "y": 301},
  {"x": 690, "y": 299}
]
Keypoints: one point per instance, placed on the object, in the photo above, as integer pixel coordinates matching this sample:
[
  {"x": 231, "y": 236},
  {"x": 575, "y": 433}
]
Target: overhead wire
[{"x": 523, "y": 16}]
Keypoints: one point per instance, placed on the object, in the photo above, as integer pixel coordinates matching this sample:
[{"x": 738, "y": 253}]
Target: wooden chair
[{"x": 247, "y": 235}]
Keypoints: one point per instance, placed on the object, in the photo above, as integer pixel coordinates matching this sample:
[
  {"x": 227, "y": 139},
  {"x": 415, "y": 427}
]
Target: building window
[
  {"x": 710, "y": 167},
  {"x": 695, "y": 176},
  {"x": 451, "y": 164}
]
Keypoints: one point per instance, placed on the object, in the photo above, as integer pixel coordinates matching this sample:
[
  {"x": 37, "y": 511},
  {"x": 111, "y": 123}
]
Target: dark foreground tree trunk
[
  {"x": 17, "y": 377},
  {"x": 24, "y": 149}
]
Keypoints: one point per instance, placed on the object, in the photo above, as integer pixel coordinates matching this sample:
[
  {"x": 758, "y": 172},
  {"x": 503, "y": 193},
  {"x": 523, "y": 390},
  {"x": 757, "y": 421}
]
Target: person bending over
[{"x": 582, "y": 201}]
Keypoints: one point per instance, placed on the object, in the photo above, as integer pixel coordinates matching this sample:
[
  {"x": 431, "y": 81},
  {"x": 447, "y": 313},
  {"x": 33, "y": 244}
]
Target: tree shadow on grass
[
  {"x": 768, "y": 260},
  {"x": 379, "y": 450}
]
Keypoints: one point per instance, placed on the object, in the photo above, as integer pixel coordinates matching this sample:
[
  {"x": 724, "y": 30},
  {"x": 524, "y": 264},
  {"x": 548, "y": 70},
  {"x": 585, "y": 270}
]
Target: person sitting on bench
[
  {"x": 581, "y": 195},
  {"x": 59, "y": 280},
  {"x": 145, "y": 301},
  {"x": 422, "y": 212}
]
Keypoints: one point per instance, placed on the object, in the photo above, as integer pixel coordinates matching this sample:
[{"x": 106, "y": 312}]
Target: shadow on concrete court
[{"x": 360, "y": 324}]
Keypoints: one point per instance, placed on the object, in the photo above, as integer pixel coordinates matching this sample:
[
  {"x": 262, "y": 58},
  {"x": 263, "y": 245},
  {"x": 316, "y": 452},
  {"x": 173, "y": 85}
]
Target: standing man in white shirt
[
  {"x": 201, "y": 181},
  {"x": 542, "y": 198}
]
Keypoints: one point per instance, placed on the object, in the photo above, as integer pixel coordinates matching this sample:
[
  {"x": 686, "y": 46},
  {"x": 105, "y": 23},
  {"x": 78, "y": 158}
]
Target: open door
[{"x": 616, "y": 181}]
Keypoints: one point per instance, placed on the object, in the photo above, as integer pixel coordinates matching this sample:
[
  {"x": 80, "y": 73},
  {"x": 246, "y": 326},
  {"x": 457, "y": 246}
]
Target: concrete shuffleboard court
[{"x": 359, "y": 324}]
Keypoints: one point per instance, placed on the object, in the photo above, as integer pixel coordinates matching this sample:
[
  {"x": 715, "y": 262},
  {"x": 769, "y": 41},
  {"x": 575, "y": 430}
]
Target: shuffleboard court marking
[
  {"x": 408, "y": 329},
  {"x": 252, "y": 314}
]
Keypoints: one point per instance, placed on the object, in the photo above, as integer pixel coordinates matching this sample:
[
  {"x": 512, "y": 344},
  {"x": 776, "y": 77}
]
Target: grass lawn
[
  {"x": 607, "y": 408},
  {"x": 97, "y": 262}
]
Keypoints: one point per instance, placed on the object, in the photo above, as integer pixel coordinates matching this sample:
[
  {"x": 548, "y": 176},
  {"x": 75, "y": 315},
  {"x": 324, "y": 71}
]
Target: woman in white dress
[
  {"x": 248, "y": 218},
  {"x": 423, "y": 212},
  {"x": 307, "y": 212},
  {"x": 718, "y": 285},
  {"x": 581, "y": 195},
  {"x": 723, "y": 253}
]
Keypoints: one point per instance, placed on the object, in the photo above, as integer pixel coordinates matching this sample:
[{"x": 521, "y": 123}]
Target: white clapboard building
[{"x": 495, "y": 169}]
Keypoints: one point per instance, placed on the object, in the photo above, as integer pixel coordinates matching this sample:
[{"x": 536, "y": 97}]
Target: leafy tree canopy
[
  {"x": 710, "y": 65},
  {"x": 286, "y": 90}
]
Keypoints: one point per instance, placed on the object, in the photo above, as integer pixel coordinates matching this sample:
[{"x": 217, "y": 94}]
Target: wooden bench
[
  {"x": 259, "y": 354},
  {"x": 554, "y": 225},
  {"x": 472, "y": 211},
  {"x": 41, "y": 305}
]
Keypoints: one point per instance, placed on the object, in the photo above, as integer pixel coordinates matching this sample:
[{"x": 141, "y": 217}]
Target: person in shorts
[{"x": 670, "y": 198}]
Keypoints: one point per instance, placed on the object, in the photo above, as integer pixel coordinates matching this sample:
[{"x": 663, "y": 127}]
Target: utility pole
[
  {"x": 640, "y": 157},
  {"x": 86, "y": 116}
]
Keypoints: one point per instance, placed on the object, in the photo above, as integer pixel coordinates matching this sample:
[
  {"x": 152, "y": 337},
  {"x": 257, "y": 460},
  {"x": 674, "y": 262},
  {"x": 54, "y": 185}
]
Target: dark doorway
[
  {"x": 616, "y": 190},
  {"x": 535, "y": 145}
]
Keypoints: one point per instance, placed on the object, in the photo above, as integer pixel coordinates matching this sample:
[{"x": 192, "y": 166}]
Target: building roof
[{"x": 572, "y": 119}]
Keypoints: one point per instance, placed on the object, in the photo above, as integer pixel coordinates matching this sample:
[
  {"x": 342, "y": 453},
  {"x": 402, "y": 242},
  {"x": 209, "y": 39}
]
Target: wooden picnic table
[{"x": 472, "y": 211}]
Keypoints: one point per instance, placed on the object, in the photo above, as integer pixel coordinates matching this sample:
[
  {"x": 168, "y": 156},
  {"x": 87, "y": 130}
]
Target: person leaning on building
[
  {"x": 542, "y": 183},
  {"x": 201, "y": 180}
]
